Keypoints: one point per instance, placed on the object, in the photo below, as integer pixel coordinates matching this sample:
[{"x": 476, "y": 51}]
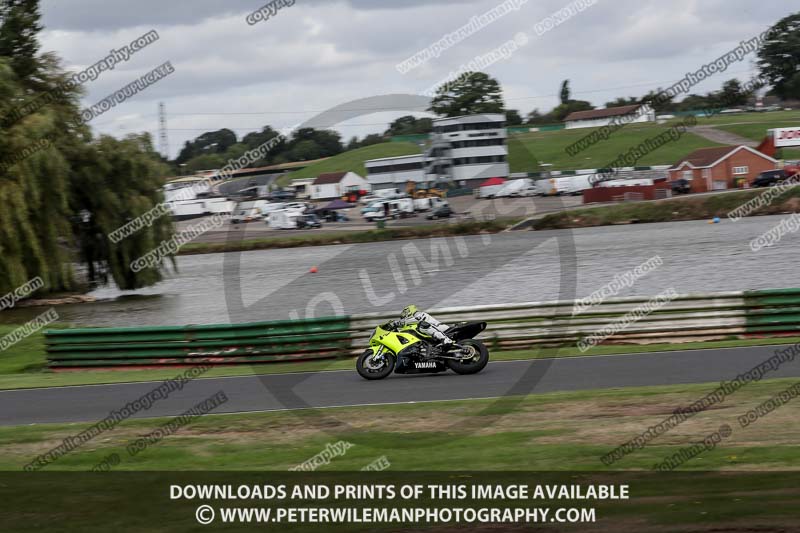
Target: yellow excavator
[{"x": 432, "y": 192}]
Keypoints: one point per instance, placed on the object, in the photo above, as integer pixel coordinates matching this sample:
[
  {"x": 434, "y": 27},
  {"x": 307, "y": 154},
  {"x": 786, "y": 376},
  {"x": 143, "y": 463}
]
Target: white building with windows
[
  {"x": 465, "y": 151},
  {"x": 395, "y": 172}
]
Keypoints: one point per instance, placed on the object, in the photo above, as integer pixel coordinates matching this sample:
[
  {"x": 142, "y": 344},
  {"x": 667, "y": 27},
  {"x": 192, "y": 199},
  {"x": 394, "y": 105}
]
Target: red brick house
[{"x": 723, "y": 167}]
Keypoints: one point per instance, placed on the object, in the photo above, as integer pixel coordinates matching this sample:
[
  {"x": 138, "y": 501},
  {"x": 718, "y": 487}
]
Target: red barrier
[{"x": 611, "y": 194}]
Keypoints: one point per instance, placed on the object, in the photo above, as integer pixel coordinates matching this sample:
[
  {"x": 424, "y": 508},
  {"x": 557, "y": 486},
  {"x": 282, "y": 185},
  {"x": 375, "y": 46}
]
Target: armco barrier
[
  {"x": 259, "y": 342},
  {"x": 692, "y": 317}
]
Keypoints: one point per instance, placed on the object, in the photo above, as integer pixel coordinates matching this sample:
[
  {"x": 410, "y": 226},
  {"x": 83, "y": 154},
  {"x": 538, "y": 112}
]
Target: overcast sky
[{"x": 318, "y": 54}]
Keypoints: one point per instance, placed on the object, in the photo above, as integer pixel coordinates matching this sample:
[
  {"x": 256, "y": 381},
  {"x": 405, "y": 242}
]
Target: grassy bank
[
  {"x": 24, "y": 365},
  {"x": 555, "y": 431},
  {"x": 555, "y": 438},
  {"x": 352, "y": 161},
  {"x": 351, "y": 237},
  {"x": 687, "y": 208},
  {"x": 526, "y": 150}
]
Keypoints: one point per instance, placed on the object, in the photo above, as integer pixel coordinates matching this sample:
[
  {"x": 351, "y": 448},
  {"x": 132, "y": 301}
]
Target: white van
[
  {"x": 515, "y": 188},
  {"x": 395, "y": 209},
  {"x": 404, "y": 205}
]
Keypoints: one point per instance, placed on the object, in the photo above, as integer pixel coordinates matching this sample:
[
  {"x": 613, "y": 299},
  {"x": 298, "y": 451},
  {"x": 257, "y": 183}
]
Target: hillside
[
  {"x": 755, "y": 125},
  {"x": 352, "y": 160},
  {"x": 550, "y": 147},
  {"x": 527, "y": 150}
]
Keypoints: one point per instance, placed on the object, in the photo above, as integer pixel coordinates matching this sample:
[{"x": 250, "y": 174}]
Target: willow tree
[
  {"x": 61, "y": 192},
  {"x": 113, "y": 182}
]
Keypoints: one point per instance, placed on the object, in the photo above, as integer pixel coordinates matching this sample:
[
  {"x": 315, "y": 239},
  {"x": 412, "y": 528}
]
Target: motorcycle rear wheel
[
  {"x": 474, "y": 365},
  {"x": 366, "y": 371}
]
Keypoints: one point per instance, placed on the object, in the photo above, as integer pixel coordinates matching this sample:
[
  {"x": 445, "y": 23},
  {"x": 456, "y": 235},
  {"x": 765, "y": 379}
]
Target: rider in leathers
[{"x": 430, "y": 326}]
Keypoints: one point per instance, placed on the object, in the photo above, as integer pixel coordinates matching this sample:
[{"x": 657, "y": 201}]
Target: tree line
[
  {"x": 62, "y": 190},
  {"x": 478, "y": 93}
]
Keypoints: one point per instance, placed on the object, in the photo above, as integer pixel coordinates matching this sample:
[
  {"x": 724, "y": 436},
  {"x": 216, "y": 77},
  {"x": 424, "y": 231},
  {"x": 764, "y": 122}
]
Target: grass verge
[
  {"x": 567, "y": 431},
  {"x": 25, "y": 365}
]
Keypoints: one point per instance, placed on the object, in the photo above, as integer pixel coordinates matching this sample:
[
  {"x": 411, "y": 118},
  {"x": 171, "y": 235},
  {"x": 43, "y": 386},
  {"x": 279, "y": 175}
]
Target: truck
[{"x": 553, "y": 186}]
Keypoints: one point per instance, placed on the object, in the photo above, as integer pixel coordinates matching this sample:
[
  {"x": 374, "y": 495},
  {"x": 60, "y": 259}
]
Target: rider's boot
[{"x": 441, "y": 348}]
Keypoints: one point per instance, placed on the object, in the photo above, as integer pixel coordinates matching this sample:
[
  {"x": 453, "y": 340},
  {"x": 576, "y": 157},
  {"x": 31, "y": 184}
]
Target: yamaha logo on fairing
[{"x": 427, "y": 364}]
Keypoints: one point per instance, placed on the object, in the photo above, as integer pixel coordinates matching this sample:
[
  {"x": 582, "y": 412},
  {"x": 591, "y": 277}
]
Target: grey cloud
[{"x": 103, "y": 15}]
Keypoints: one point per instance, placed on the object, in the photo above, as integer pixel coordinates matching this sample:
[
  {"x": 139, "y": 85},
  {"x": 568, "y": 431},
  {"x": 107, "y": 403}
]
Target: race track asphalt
[{"x": 346, "y": 388}]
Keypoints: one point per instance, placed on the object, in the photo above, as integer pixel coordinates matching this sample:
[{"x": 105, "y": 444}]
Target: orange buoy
[{"x": 313, "y": 270}]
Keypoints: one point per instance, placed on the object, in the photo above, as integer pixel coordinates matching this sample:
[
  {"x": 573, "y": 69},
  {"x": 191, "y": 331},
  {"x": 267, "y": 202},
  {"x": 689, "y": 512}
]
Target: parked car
[
  {"x": 278, "y": 196},
  {"x": 770, "y": 178},
  {"x": 443, "y": 211},
  {"x": 681, "y": 186},
  {"x": 308, "y": 222}
]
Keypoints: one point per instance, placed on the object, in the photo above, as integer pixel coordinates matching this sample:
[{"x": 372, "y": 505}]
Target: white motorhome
[
  {"x": 284, "y": 218},
  {"x": 520, "y": 187}
]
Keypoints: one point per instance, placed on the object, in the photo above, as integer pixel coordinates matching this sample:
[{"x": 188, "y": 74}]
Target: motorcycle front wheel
[
  {"x": 476, "y": 363},
  {"x": 372, "y": 368}
]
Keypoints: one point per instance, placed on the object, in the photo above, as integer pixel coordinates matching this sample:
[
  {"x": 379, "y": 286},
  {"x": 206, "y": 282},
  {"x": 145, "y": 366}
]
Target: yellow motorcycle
[{"x": 406, "y": 350}]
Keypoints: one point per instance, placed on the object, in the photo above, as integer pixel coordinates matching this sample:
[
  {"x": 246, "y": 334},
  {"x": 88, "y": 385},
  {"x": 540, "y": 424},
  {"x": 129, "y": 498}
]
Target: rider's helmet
[{"x": 408, "y": 311}]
